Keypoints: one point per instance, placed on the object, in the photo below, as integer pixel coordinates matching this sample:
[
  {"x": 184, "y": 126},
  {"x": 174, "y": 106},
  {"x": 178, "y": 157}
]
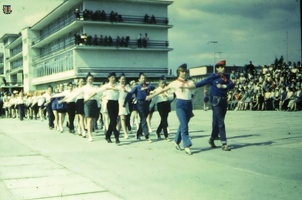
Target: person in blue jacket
[{"x": 220, "y": 84}]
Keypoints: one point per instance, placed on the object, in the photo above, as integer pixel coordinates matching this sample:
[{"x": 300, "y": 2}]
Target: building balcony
[{"x": 72, "y": 23}]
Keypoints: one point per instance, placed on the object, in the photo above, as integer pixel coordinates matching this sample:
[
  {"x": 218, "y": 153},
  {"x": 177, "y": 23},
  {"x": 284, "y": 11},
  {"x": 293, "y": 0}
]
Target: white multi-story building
[{"x": 96, "y": 36}]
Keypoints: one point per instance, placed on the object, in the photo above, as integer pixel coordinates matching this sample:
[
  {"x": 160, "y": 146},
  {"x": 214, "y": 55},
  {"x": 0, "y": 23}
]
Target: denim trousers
[
  {"x": 219, "y": 108},
  {"x": 184, "y": 113},
  {"x": 143, "y": 111}
]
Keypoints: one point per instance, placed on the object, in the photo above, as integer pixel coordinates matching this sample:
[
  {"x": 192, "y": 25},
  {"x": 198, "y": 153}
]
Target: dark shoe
[
  {"x": 177, "y": 147},
  {"x": 109, "y": 140},
  {"x": 84, "y": 136},
  {"x": 217, "y": 138},
  {"x": 225, "y": 148},
  {"x": 117, "y": 141},
  {"x": 71, "y": 131},
  {"x": 138, "y": 138},
  {"x": 211, "y": 142},
  {"x": 188, "y": 151}
]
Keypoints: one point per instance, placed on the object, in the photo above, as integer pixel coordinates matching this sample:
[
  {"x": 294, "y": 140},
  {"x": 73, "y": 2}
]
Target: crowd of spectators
[
  {"x": 271, "y": 87},
  {"x": 99, "y": 15},
  {"x": 83, "y": 39}
]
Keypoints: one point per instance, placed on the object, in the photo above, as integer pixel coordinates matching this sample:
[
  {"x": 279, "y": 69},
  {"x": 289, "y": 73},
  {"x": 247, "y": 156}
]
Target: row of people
[
  {"x": 83, "y": 39},
  {"x": 98, "y": 15},
  {"x": 119, "y": 95}
]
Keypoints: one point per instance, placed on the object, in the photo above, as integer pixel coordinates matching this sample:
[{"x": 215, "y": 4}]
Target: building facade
[{"x": 96, "y": 36}]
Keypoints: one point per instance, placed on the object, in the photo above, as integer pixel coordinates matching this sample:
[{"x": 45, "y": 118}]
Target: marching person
[
  {"x": 183, "y": 107},
  {"x": 220, "y": 84},
  {"x": 112, "y": 95},
  {"x": 123, "y": 111},
  {"x": 141, "y": 91},
  {"x": 163, "y": 102}
]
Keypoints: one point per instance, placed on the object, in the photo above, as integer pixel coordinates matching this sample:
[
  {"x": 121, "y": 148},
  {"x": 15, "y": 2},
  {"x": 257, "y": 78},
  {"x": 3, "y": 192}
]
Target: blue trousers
[
  {"x": 184, "y": 113},
  {"x": 219, "y": 107},
  {"x": 143, "y": 111}
]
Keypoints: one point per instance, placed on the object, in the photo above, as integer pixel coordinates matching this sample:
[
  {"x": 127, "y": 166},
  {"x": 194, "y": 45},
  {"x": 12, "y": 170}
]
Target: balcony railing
[{"x": 118, "y": 19}]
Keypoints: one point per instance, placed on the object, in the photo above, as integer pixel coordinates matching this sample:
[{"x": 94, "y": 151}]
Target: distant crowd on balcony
[
  {"x": 273, "y": 87},
  {"x": 123, "y": 41},
  {"x": 99, "y": 15}
]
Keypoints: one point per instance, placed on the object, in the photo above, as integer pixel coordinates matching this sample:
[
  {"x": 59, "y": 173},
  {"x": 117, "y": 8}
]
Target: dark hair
[
  {"x": 89, "y": 74},
  {"x": 111, "y": 74},
  {"x": 121, "y": 75},
  {"x": 140, "y": 74},
  {"x": 181, "y": 68}
]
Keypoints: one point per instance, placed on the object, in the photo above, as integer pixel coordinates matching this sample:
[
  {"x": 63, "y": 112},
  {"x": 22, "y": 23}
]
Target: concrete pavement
[{"x": 265, "y": 161}]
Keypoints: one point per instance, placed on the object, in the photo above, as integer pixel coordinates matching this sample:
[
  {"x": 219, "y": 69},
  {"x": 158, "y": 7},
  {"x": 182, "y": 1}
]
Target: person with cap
[
  {"x": 220, "y": 84},
  {"x": 141, "y": 91},
  {"x": 112, "y": 95},
  {"x": 163, "y": 102},
  {"x": 184, "y": 106}
]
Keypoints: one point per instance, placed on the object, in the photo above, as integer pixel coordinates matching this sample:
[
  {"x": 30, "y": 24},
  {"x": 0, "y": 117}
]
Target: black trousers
[
  {"x": 51, "y": 117},
  {"x": 21, "y": 109},
  {"x": 163, "y": 109},
  {"x": 112, "y": 108},
  {"x": 71, "y": 110}
]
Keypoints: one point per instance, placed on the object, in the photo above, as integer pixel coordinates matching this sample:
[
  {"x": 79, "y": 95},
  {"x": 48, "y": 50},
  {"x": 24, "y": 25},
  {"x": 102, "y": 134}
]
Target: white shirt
[
  {"x": 111, "y": 94},
  {"x": 184, "y": 94}
]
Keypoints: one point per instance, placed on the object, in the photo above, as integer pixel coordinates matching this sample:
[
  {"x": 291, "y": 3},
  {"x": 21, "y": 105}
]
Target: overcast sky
[{"x": 257, "y": 30}]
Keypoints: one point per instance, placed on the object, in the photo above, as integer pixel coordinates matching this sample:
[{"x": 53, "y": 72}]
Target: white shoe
[{"x": 188, "y": 151}]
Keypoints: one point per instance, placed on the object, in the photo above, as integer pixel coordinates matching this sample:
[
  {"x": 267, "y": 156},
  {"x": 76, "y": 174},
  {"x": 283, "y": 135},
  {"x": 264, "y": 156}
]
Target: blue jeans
[
  {"x": 143, "y": 111},
  {"x": 219, "y": 107},
  {"x": 184, "y": 113}
]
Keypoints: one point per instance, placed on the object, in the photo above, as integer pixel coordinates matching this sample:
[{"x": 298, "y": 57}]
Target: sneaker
[
  {"x": 211, "y": 142},
  {"x": 117, "y": 141},
  {"x": 149, "y": 140},
  {"x": 177, "y": 147},
  {"x": 225, "y": 148},
  {"x": 167, "y": 139},
  {"x": 188, "y": 151}
]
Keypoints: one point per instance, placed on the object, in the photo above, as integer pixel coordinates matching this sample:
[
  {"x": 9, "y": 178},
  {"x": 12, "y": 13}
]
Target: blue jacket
[
  {"x": 139, "y": 93},
  {"x": 213, "y": 80}
]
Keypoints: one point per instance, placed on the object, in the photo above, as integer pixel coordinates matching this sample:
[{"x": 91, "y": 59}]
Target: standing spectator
[
  {"x": 145, "y": 40},
  {"x": 140, "y": 41}
]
